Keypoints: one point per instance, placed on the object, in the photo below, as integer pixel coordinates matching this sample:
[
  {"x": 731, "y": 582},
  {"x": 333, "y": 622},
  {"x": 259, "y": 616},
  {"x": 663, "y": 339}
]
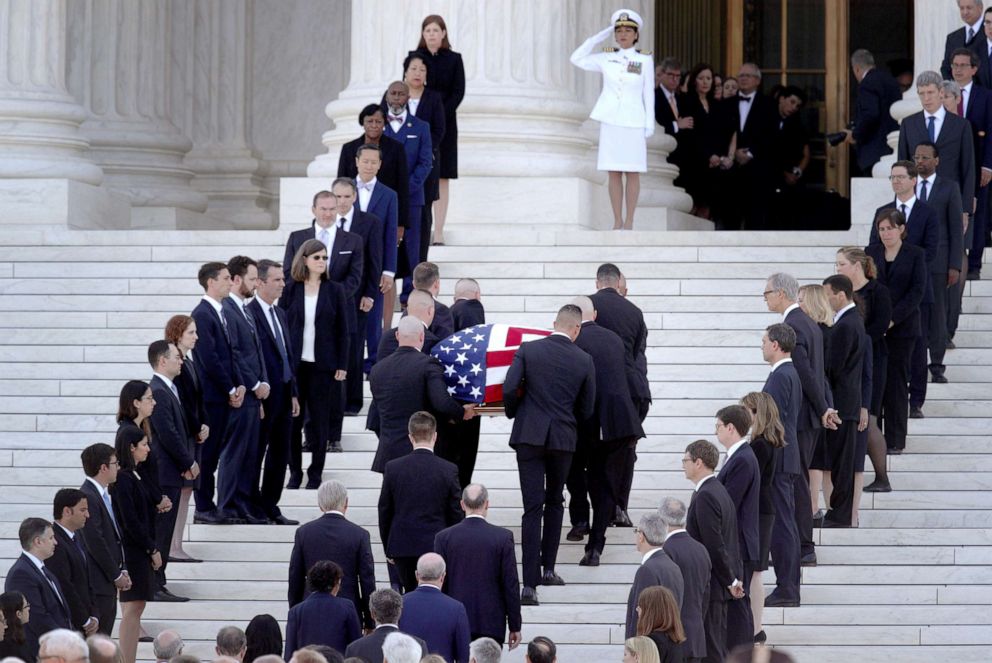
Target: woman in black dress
[
  {"x": 658, "y": 618},
  {"x": 135, "y": 507},
  {"x": 16, "y": 612},
  {"x": 706, "y": 144},
  {"x": 814, "y": 303},
  {"x": 767, "y": 440},
  {"x": 181, "y": 330},
  {"x": 445, "y": 74},
  {"x": 427, "y": 105}
]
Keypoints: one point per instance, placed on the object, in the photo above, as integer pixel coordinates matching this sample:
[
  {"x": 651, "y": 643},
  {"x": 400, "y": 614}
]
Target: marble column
[{"x": 119, "y": 68}]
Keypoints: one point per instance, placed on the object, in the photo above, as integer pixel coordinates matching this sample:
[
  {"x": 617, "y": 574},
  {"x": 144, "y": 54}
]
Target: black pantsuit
[
  {"x": 317, "y": 389},
  {"x": 608, "y": 462},
  {"x": 918, "y": 364},
  {"x": 542, "y": 477},
  {"x": 895, "y": 402}
]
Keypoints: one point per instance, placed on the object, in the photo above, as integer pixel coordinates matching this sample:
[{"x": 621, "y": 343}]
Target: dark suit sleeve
[
  {"x": 711, "y": 537},
  {"x": 297, "y": 572},
  {"x": 955, "y": 229},
  {"x": 945, "y": 64},
  {"x": 169, "y": 439},
  {"x": 79, "y": 604},
  {"x": 457, "y": 92},
  {"x": 41, "y": 621},
  {"x": 931, "y": 236},
  {"x": 967, "y": 168},
  {"x": 353, "y": 282},
  {"x": 373, "y": 258},
  {"x": 842, "y": 339},
  {"x": 513, "y": 383},
  {"x": 454, "y": 513},
  {"x": 511, "y": 583},
  {"x": 342, "y": 336},
  {"x": 736, "y": 481},
  {"x": 586, "y": 402},
  {"x": 873, "y": 234},
  {"x": 812, "y": 384},
  {"x": 127, "y": 507},
  {"x": 402, "y": 179},
  {"x": 291, "y": 634},
  {"x": 881, "y": 313},
  {"x": 914, "y": 294},
  {"x": 96, "y": 545},
  {"x": 437, "y": 392},
  {"x": 437, "y": 122},
  {"x": 389, "y": 242},
  {"x": 353, "y": 630},
  {"x": 463, "y": 636},
  {"x": 287, "y": 259},
  {"x": 386, "y": 508},
  {"x": 867, "y": 112},
  {"x": 903, "y": 148},
  {"x": 206, "y": 351},
  {"x": 366, "y": 579}
]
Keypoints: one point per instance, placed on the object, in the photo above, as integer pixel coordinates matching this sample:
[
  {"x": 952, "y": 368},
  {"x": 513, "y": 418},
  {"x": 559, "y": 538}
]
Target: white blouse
[{"x": 309, "y": 327}]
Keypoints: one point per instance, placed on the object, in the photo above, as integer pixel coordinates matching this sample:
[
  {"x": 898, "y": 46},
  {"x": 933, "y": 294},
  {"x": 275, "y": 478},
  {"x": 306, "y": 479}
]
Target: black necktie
[
  {"x": 192, "y": 371},
  {"x": 923, "y": 191},
  {"x": 902, "y": 208},
  {"x": 223, "y": 323},
  {"x": 971, "y": 35},
  {"x": 79, "y": 548}
]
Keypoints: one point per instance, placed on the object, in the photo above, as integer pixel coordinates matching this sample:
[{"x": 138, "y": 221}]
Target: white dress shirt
[
  {"x": 784, "y": 360},
  {"x": 744, "y": 107},
  {"x": 938, "y": 121},
  {"x": 345, "y": 221},
  {"x": 929, "y": 181},
  {"x": 841, "y": 312},
  {"x": 412, "y": 104},
  {"x": 365, "y": 192},
  {"x": 397, "y": 124},
  {"x": 332, "y": 231},
  {"x": 909, "y": 206},
  {"x": 309, "y": 327},
  {"x": 787, "y": 311}
]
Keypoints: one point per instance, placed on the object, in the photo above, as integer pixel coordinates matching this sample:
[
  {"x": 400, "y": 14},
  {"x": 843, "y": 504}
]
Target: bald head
[
  {"x": 410, "y": 333},
  {"x": 475, "y": 499},
  {"x": 430, "y": 569},
  {"x": 420, "y": 305},
  {"x": 467, "y": 289},
  {"x": 586, "y": 306}
]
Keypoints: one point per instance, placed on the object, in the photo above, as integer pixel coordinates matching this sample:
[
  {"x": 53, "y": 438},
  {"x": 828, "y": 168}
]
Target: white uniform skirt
[{"x": 622, "y": 149}]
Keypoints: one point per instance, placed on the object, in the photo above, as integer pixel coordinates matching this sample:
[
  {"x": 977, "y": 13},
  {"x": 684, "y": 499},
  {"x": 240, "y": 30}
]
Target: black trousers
[
  {"x": 354, "y": 398},
  {"x": 426, "y": 228},
  {"x": 918, "y": 359},
  {"x": 804, "y": 506},
  {"x": 608, "y": 463},
  {"x": 578, "y": 484},
  {"x": 217, "y": 418},
  {"x": 785, "y": 547},
  {"x": 459, "y": 444},
  {"x": 320, "y": 394},
  {"x": 937, "y": 332},
  {"x": 740, "y": 620},
  {"x": 239, "y": 456},
  {"x": 839, "y": 448},
  {"x": 542, "y": 478},
  {"x": 715, "y": 626},
  {"x": 895, "y": 401},
  {"x": 406, "y": 567},
  {"x": 954, "y": 297},
  {"x": 273, "y": 446},
  {"x": 106, "y": 611},
  {"x": 165, "y": 523}
]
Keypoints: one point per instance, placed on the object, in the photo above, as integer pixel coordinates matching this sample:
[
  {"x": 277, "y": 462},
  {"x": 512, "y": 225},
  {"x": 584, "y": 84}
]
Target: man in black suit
[
  {"x": 712, "y": 520},
  {"x": 605, "y": 440},
  {"x": 386, "y": 607},
  {"x": 549, "y": 388},
  {"x": 842, "y": 364},
  {"x": 979, "y": 231},
  {"x": 467, "y": 311},
  {"x": 693, "y": 560},
  {"x": 668, "y": 75},
  {"x": 370, "y": 228},
  {"x": 333, "y": 537},
  {"x": 753, "y": 115},
  {"x": 781, "y": 294},
  {"x": 405, "y": 382},
  {"x": 282, "y": 404},
  {"x": 482, "y": 569},
  {"x": 618, "y": 314},
  {"x": 101, "y": 537},
  {"x": 427, "y": 276},
  {"x": 68, "y": 563},
  {"x": 656, "y": 569},
  {"x": 420, "y": 306},
  {"x": 223, "y": 388},
  {"x": 419, "y": 498},
  {"x": 239, "y": 460},
  {"x": 174, "y": 448},
  {"x": 42, "y": 590},
  {"x": 783, "y": 385},
  {"x": 971, "y": 16},
  {"x": 873, "y": 122}
]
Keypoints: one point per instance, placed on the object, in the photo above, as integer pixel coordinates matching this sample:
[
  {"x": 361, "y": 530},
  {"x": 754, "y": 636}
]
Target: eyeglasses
[
  {"x": 686, "y": 460},
  {"x": 961, "y": 65},
  {"x": 767, "y": 292},
  {"x": 317, "y": 257},
  {"x": 113, "y": 462},
  {"x": 637, "y": 530}
]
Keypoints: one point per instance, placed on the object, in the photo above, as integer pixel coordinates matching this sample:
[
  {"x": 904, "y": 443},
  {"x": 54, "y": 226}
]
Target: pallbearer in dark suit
[
  {"x": 420, "y": 306},
  {"x": 712, "y": 520},
  {"x": 427, "y": 276},
  {"x": 69, "y": 563},
  {"x": 694, "y": 562},
  {"x": 283, "y": 402},
  {"x": 605, "y": 440},
  {"x": 549, "y": 388},
  {"x": 467, "y": 311},
  {"x": 42, "y": 590},
  {"x": 419, "y": 498},
  {"x": 101, "y": 536},
  {"x": 656, "y": 569},
  {"x": 482, "y": 569}
]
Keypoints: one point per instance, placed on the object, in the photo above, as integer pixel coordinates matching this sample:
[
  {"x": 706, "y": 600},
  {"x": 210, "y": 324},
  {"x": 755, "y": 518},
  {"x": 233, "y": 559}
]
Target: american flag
[{"x": 475, "y": 360}]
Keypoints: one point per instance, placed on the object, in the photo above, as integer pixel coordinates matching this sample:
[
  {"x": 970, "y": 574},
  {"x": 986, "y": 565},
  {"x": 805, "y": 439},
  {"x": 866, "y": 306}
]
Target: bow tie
[
  {"x": 745, "y": 100},
  {"x": 395, "y": 118},
  {"x": 365, "y": 186}
]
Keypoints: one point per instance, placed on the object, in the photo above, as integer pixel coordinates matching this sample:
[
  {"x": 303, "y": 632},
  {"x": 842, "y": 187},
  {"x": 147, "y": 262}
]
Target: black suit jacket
[
  {"x": 549, "y": 388},
  {"x": 481, "y": 566},
  {"x": 807, "y": 357},
  {"x": 443, "y": 324},
  {"x": 786, "y": 390},
  {"x": 103, "y": 544},
  {"x": 214, "y": 355},
  {"x": 741, "y": 476},
  {"x": 842, "y": 364},
  {"x": 332, "y": 340},
  {"x": 175, "y": 448},
  {"x": 247, "y": 347},
  {"x": 333, "y": 537},
  {"x": 189, "y": 382},
  {"x": 622, "y": 317},
  {"x": 759, "y": 127},
  {"x": 877, "y": 91},
  {"x": 405, "y": 382},
  {"x": 370, "y": 228},
  {"x": 270, "y": 350},
  {"x": 981, "y": 46},
  {"x": 346, "y": 256},
  {"x": 70, "y": 566},
  {"x": 694, "y": 562},
  {"x": 388, "y": 343},
  {"x": 712, "y": 520},
  {"x": 420, "y": 497},
  {"x": 907, "y": 282},
  {"x": 467, "y": 313},
  {"x": 959, "y": 39},
  {"x": 370, "y": 647},
  {"x": 48, "y": 611},
  {"x": 945, "y": 201},
  {"x": 393, "y": 171},
  {"x": 922, "y": 230},
  {"x": 955, "y": 144},
  {"x": 658, "y": 570},
  {"x": 614, "y": 417}
]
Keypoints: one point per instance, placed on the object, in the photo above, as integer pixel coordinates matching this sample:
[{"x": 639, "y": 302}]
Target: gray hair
[
  {"x": 672, "y": 512},
  {"x": 786, "y": 283},
  {"x": 475, "y": 496},
  {"x": 653, "y": 528},
  {"x": 756, "y": 71},
  {"x": 103, "y": 649},
  {"x": 951, "y": 88},
  {"x": 430, "y": 567},
  {"x": 63, "y": 643},
  {"x": 230, "y": 641},
  {"x": 485, "y": 650},
  {"x": 401, "y": 648},
  {"x": 862, "y": 58},
  {"x": 332, "y": 496},
  {"x": 386, "y": 606},
  {"x": 929, "y": 78},
  {"x": 670, "y": 64},
  {"x": 167, "y": 644}
]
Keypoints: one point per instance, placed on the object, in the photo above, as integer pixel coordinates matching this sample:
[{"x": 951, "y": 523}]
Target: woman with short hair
[{"x": 322, "y": 618}]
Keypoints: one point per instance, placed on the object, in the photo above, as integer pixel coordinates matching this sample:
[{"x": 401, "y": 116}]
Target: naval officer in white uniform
[{"x": 625, "y": 109}]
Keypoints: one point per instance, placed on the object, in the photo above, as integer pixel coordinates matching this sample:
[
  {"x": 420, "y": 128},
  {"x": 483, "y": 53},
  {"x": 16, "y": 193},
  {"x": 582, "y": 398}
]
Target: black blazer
[
  {"x": 370, "y": 647},
  {"x": 347, "y": 258},
  {"x": 189, "y": 382},
  {"x": 175, "y": 449},
  {"x": 270, "y": 350},
  {"x": 331, "y": 341},
  {"x": 906, "y": 280},
  {"x": 945, "y": 241},
  {"x": 549, "y": 388},
  {"x": 741, "y": 476},
  {"x": 766, "y": 456},
  {"x": 622, "y": 317},
  {"x": 807, "y": 358},
  {"x": 668, "y": 651},
  {"x": 214, "y": 355},
  {"x": 134, "y": 507},
  {"x": 443, "y": 324},
  {"x": 694, "y": 562},
  {"x": 405, "y": 382},
  {"x": 877, "y": 306},
  {"x": 980, "y": 45},
  {"x": 103, "y": 544},
  {"x": 69, "y": 564},
  {"x": 658, "y": 570},
  {"x": 420, "y": 497},
  {"x": 333, "y": 537},
  {"x": 481, "y": 572},
  {"x": 322, "y": 619},
  {"x": 370, "y": 228},
  {"x": 959, "y": 39},
  {"x": 388, "y": 343},
  {"x": 393, "y": 171},
  {"x": 712, "y": 520},
  {"x": 784, "y": 387},
  {"x": 247, "y": 347},
  {"x": 48, "y": 610},
  {"x": 922, "y": 230},
  {"x": 877, "y": 91},
  {"x": 614, "y": 417},
  {"x": 467, "y": 313},
  {"x": 759, "y": 127},
  {"x": 842, "y": 364},
  {"x": 955, "y": 144}
]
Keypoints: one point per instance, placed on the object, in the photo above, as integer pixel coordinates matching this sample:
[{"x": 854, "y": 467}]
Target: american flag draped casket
[{"x": 475, "y": 360}]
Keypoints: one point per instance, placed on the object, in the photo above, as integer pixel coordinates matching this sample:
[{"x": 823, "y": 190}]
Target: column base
[
  {"x": 61, "y": 202},
  {"x": 867, "y": 195}
]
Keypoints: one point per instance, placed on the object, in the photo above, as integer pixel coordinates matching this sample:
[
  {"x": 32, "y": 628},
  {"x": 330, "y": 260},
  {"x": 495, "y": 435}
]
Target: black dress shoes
[
  {"x": 877, "y": 486},
  {"x": 294, "y": 481},
  {"x": 551, "y": 578},
  {"x": 335, "y": 447},
  {"x": 578, "y": 532},
  {"x": 183, "y": 560},
  {"x": 621, "y": 519},
  {"x": 915, "y": 412},
  {"x": 528, "y": 596},
  {"x": 774, "y": 601},
  {"x": 283, "y": 520},
  {"x": 591, "y": 558},
  {"x": 252, "y": 520},
  {"x": 939, "y": 378},
  {"x": 214, "y": 517},
  {"x": 313, "y": 485},
  {"x": 163, "y": 595},
  {"x": 950, "y": 345},
  {"x": 809, "y": 559}
]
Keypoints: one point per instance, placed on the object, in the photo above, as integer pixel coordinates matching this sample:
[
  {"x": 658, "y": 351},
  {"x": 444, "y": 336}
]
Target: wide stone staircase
[{"x": 78, "y": 308}]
